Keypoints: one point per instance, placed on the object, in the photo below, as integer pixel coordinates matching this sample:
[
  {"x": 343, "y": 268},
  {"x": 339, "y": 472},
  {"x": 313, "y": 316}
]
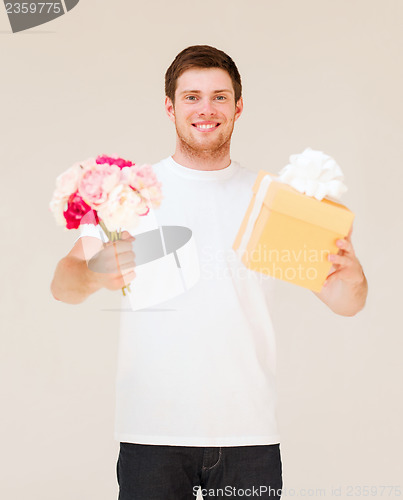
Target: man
[{"x": 195, "y": 403}]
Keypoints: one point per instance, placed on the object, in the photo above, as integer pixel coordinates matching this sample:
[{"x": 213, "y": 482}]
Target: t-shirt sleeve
[{"x": 91, "y": 230}]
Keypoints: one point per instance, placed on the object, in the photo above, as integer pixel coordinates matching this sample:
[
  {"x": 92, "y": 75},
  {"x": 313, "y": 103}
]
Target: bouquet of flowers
[{"x": 113, "y": 191}]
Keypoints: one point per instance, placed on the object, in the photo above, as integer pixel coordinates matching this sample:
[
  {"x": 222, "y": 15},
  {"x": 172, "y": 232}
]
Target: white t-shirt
[{"x": 199, "y": 369}]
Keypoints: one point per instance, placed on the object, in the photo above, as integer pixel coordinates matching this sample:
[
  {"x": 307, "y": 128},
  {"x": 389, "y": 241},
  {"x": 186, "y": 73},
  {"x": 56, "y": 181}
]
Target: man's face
[{"x": 205, "y": 112}]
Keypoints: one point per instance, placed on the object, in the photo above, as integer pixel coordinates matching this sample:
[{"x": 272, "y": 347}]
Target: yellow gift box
[{"x": 289, "y": 235}]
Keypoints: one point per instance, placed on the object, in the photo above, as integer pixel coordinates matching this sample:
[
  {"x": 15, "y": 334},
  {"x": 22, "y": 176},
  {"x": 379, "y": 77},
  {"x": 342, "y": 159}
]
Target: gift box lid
[{"x": 285, "y": 199}]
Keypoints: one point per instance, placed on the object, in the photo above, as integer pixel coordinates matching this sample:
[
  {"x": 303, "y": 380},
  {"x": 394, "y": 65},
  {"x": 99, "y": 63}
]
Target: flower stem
[{"x": 114, "y": 236}]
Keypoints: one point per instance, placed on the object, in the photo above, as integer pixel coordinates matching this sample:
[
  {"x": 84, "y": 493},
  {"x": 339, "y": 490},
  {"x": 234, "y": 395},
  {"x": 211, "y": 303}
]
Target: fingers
[
  {"x": 117, "y": 282},
  {"x": 121, "y": 281},
  {"x": 332, "y": 275},
  {"x": 127, "y": 278},
  {"x": 126, "y": 235},
  {"x": 339, "y": 260},
  {"x": 345, "y": 245},
  {"x": 331, "y": 278},
  {"x": 121, "y": 245},
  {"x": 111, "y": 261},
  {"x": 126, "y": 260},
  {"x": 332, "y": 269},
  {"x": 347, "y": 268}
]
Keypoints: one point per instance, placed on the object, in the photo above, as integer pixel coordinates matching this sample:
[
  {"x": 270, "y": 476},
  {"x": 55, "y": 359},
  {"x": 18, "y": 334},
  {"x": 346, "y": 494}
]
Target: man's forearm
[{"x": 73, "y": 282}]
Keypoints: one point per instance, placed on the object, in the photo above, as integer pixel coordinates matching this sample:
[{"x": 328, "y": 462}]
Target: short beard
[{"x": 204, "y": 154}]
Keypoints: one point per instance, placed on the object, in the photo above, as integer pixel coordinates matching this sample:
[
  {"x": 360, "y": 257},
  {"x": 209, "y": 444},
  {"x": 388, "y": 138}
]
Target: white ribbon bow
[{"x": 315, "y": 174}]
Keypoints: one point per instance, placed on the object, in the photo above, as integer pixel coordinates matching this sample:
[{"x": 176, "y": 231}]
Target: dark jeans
[{"x": 154, "y": 472}]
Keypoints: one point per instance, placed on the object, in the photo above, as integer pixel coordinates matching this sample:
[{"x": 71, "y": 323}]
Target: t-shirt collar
[{"x": 192, "y": 173}]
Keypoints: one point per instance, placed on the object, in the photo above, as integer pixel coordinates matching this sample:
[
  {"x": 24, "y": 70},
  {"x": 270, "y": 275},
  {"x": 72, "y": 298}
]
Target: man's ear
[
  {"x": 169, "y": 108},
  {"x": 238, "y": 108}
]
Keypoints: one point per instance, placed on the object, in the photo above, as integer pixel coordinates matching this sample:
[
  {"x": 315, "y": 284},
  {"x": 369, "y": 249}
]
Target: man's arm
[
  {"x": 345, "y": 289},
  {"x": 73, "y": 282},
  {"x": 91, "y": 265}
]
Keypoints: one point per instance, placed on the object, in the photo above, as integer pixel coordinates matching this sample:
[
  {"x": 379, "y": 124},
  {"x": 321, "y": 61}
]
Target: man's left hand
[{"x": 346, "y": 266}]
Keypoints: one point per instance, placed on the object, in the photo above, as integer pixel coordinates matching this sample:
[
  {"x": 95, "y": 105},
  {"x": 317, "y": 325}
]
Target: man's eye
[
  {"x": 221, "y": 97},
  {"x": 190, "y": 97}
]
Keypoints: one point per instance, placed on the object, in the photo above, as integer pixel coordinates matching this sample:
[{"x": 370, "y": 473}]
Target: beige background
[{"x": 319, "y": 73}]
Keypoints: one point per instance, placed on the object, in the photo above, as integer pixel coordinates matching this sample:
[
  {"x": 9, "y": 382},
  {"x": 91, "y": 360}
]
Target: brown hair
[{"x": 201, "y": 56}]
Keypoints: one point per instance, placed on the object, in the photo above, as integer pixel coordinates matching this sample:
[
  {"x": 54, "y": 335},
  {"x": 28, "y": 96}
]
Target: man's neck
[{"x": 202, "y": 161}]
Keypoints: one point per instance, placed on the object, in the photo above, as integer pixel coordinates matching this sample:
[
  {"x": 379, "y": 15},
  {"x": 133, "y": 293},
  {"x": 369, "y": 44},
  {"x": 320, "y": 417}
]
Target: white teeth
[{"x": 205, "y": 126}]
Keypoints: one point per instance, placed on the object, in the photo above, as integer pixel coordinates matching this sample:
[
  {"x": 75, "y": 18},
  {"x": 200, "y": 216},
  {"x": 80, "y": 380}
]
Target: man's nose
[{"x": 207, "y": 107}]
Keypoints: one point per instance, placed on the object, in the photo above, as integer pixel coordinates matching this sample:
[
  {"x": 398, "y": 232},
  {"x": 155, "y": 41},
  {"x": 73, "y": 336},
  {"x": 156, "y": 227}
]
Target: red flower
[
  {"x": 76, "y": 209},
  {"x": 120, "y": 162}
]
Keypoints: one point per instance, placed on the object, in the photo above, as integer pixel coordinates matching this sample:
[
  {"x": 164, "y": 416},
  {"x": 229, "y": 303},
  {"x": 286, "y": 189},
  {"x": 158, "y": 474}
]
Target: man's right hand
[{"x": 105, "y": 263}]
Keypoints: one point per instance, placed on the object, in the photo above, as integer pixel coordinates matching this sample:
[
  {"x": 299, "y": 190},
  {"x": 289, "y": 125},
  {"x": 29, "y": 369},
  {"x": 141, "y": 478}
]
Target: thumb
[{"x": 126, "y": 235}]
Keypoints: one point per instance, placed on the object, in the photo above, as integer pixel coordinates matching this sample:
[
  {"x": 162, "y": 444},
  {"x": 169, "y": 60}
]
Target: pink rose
[
  {"x": 76, "y": 209},
  {"x": 57, "y": 207},
  {"x": 144, "y": 180},
  {"x": 67, "y": 182},
  {"x": 97, "y": 182}
]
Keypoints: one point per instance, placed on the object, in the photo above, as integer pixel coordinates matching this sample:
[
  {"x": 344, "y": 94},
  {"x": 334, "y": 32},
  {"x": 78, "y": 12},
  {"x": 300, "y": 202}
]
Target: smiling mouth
[{"x": 205, "y": 127}]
